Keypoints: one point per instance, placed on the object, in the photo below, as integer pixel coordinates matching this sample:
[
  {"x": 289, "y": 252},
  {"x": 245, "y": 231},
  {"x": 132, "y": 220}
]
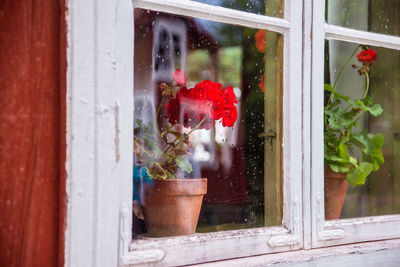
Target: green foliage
[
  {"x": 346, "y": 150},
  {"x": 161, "y": 164},
  {"x": 184, "y": 164}
]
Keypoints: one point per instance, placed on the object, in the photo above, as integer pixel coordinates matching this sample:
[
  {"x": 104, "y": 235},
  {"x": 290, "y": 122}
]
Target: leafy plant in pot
[
  {"x": 172, "y": 203},
  {"x": 350, "y": 155}
]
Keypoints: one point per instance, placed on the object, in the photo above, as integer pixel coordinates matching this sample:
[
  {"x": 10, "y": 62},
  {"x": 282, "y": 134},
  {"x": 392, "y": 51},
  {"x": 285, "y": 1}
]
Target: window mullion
[
  {"x": 317, "y": 129},
  {"x": 343, "y": 231}
]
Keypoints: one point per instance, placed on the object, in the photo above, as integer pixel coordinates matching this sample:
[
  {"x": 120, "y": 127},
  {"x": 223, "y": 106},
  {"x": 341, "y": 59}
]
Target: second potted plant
[{"x": 350, "y": 155}]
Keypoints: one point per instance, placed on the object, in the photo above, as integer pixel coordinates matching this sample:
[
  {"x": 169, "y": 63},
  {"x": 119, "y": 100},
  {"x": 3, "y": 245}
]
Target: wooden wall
[{"x": 32, "y": 138}]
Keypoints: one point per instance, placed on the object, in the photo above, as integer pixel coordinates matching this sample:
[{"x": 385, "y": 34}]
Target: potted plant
[
  {"x": 350, "y": 155},
  {"x": 171, "y": 203}
]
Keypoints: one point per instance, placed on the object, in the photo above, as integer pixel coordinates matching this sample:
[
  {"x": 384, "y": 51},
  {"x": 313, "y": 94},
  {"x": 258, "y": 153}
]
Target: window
[
  {"x": 118, "y": 45},
  {"x": 363, "y": 23},
  {"x": 252, "y": 182}
]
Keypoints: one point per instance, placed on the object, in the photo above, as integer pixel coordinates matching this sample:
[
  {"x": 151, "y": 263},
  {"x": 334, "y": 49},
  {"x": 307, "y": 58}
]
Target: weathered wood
[
  {"x": 366, "y": 254},
  {"x": 30, "y": 123},
  {"x": 273, "y": 121}
]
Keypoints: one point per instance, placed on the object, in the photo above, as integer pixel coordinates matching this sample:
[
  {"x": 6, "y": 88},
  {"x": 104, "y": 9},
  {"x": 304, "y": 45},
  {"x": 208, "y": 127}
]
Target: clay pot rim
[{"x": 180, "y": 186}]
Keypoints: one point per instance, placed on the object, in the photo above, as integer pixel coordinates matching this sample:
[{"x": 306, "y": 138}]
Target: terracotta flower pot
[
  {"x": 172, "y": 207},
  {"x": 335, "y": 191}
]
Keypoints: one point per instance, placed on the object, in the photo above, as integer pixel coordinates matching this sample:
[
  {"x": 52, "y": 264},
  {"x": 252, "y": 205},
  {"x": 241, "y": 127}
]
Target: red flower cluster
[
  {"x": 207, "y": 98},
  {"x": 367, "y": 57},
  {"x": 260, "y": 40}
]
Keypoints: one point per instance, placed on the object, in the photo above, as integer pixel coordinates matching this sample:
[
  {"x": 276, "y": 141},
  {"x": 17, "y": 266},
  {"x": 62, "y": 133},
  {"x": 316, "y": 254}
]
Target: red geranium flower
[
  {"x": 179, "y": 77},
  {"x": 260, "y": 40},
  {"x": 207, "y": 98},
  {"x": 367, "y": 57}
]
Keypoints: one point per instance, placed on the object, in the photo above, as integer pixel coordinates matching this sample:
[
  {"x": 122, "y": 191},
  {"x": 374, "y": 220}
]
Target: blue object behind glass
[{"x": 139, "y": 173}]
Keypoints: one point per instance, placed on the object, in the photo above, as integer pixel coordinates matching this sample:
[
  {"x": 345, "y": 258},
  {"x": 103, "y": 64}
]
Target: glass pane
[
  {"x": 380, "y": 16},
  {"x": 200, "y": 113},
  {"x": 272, "y": 8},
  {"x": 362, "y": 133}
]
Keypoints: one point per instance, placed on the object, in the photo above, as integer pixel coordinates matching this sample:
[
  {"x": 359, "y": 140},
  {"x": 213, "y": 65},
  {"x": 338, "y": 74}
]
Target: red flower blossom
[
  {"x": 188, "y": 110},
  {"x": 260, "y": 40},
  {"x": 229, "y": 116},
  {"x": 367, "y": 57},
  {"x": 179, "y": 77},
  {"x": 207, "y": 98}
]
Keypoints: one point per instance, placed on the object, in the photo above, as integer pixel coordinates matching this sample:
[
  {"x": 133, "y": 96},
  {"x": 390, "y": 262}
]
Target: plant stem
[
  {"x": 195, "y": 128},
  {"x": 341, "y": 72},
  {"x": 159, "y": 107},
  {"x": 198, "y": 125},
  {"x": 181, "y": 140},
  {"x": 367, "y": 87}
]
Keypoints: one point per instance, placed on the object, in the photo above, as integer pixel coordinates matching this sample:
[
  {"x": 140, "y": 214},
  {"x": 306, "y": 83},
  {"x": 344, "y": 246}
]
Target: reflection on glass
[
  {"x": 380, "y": 16},
  {"x": 199, "y": 105},
  {"x": 380, "y": 195},
  {"x": 261, "y": 7}
]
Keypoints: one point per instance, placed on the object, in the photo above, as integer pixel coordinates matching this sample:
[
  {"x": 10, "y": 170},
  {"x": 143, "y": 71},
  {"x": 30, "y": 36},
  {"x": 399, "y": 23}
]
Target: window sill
[{"x": 361, "y": 254}]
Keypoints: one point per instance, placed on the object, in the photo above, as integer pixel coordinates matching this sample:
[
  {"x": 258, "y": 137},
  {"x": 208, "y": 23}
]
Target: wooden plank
[
  {"x": 30, "y": 123},
  {"x": 273, "y": 120}
]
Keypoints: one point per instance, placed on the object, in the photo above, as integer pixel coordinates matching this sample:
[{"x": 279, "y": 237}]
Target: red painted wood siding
[{"x": 32, "y": 126}]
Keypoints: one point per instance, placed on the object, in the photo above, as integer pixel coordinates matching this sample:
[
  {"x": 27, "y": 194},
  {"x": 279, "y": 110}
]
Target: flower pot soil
[
  {"x": 171, "y": 207},
  {"x": 335, "y": 192}
]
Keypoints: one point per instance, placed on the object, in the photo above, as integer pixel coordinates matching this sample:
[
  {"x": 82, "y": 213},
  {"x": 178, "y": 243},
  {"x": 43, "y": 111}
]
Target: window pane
[
  {"x": 380, "y": 195},
  {"x": 222, "y": 112},
  {"x": 380, "y": 16},
  {"x": 271, "y": 7}
]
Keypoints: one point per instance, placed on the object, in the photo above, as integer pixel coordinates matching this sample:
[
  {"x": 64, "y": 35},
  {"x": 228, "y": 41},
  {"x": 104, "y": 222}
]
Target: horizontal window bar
[
  {"x": 215, "y": 13},
  {"x": 361, "y": 37}
]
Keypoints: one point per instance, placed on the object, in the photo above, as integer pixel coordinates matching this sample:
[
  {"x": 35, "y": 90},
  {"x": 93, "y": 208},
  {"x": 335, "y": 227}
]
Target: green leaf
[
  {"x": 342, "y": 168},
  {"x": 375, "y": 110},
  {"x": 329, "y": 88},
  {"x": 340, "y": 161},
  {"x": 366, "y": 105},
  {"x": 342, "y": 152},
  {"x": 374, "y": 150},
  {"x": 184, "y": 164},
  {"x": 141, "y": 125},
  {"x": 353, "y": 161},
  {"x": 371, "y": 147},
  {"x": 357, "y": 175},
  {"x": 156, "y": 171},
  {"x": 367, "y": 101},
  {"x": 335, "y": 158},
  {"x": 339, "y": 118}
]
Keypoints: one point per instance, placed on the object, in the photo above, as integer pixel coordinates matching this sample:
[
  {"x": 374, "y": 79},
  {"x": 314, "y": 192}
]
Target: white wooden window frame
[
  {"x": 99, "y": 138},
  {"x": 100, "y": 130},
  {"x": 207, "y": 247},
  {"x": 343, "y": 231}
]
